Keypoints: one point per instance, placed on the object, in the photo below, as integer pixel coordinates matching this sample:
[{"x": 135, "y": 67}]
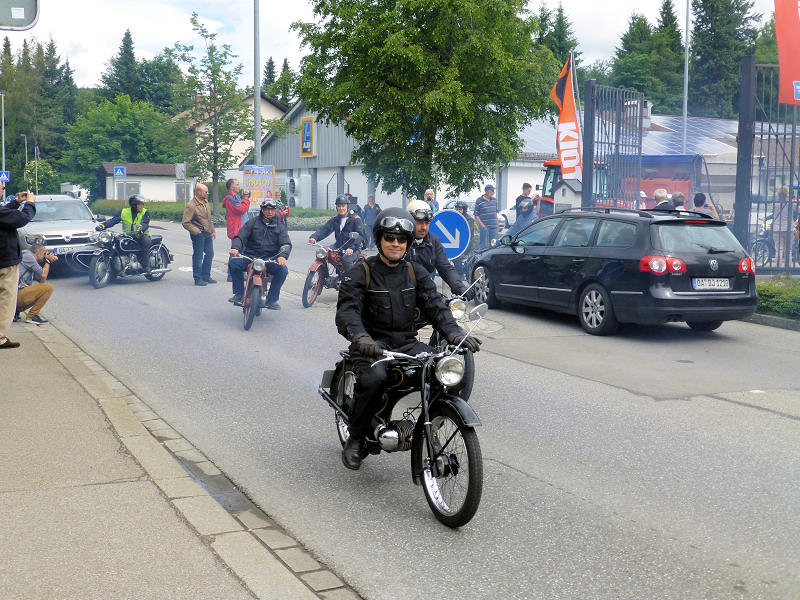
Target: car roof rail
[
  {"x": 603, "y": 209},
  {"x": 677, "y": 212}
]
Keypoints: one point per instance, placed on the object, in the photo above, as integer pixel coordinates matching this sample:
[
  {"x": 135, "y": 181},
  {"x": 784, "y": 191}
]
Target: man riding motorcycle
[
  {"x": 376, "y": 311},
  {"x": 342, "y": 225},
  {"x": 427, "y": 250},
  {"x": 135, "y": 220},
  {"x": 261, "y": 237}
]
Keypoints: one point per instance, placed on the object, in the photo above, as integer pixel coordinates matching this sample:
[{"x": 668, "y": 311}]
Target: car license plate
[
  {"x": 711, "y": 283},
  {"x": 63, "y": 249}
]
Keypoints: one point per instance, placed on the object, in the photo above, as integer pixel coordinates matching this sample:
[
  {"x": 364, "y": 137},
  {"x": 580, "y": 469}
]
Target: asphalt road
[{"x": 658, "y": 463}]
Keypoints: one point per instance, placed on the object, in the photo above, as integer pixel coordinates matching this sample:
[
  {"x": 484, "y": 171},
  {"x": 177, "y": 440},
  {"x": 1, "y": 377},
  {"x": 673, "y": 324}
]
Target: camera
[
  {"x": 22, "y": 196},
  {"x": 246, "y": 194}
]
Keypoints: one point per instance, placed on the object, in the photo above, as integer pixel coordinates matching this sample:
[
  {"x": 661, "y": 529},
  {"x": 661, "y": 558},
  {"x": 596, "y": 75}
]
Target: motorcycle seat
[{"x": 156, "y": 239}]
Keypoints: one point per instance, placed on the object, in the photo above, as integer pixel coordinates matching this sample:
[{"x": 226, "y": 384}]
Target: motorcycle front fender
[{"x": 257, "y": 280}]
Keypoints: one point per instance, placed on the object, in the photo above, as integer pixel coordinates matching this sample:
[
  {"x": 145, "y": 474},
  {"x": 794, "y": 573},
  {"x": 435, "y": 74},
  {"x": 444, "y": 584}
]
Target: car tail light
[
  {"x": 660, "y": 265},
  {"x": 746, "y": 265}
]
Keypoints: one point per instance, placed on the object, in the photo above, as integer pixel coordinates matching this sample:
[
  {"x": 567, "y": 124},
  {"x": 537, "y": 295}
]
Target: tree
[
  {"x": 427, "y": 88},
  {"x": 121, "y": 131},
  {"x": 632, "y": 67},
  {"x": 42, "y": 175},
  {"x": 122, "y": 74},
  {"x": 767, "y": 43},
  {"x": 163, "y": 83},
  {"x": 283, "y": 88},
  {"x": 218, "y": 117},
  {"x": 269, "y": 75},
  {"x": 560, "y": 38},
  {"x": 667, "y": 57},
  {"x": 723, "y": 33},
  {"x": 599, "y": 70}
]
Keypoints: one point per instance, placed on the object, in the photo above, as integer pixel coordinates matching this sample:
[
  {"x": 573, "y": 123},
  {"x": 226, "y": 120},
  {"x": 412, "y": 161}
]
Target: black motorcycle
[
  {"x": 117, "y": 255},
  {"x": 439, "y": 430}
]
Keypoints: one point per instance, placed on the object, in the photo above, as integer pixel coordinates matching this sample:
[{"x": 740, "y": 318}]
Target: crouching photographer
[{"x": 33, "y": 291}]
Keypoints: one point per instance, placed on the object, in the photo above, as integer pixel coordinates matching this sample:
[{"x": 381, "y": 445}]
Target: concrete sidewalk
[{"x": 100, "y": 499}]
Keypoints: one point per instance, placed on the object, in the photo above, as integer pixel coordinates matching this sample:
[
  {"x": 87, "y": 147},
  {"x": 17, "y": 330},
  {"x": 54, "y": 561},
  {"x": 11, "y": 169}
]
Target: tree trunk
[{"x": 215, "y": 195}]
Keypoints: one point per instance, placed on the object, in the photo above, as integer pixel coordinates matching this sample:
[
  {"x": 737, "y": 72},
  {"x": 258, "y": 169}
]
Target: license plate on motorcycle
[{"x": 711, "y": 283}]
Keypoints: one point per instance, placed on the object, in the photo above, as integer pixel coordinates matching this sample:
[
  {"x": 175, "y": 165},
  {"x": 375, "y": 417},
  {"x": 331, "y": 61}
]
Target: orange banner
[
  {"x": 787, "y": 31},
  {"x": 568, "y": 137}
]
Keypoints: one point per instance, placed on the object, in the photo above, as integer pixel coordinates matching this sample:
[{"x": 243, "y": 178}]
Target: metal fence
[
  {"x": 768, "y": 171},
  {"x": 612, "y": 149}
]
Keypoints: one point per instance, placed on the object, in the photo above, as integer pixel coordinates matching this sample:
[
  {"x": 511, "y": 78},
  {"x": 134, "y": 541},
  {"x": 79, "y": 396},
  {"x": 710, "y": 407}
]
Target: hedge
[
  {"x": 300, "y": 219},
  {"x": 779, "y": 296}
]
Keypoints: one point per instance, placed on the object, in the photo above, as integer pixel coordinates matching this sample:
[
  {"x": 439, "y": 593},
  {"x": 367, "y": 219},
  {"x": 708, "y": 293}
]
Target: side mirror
[
  {"x": 505, "y": 240},
  {"x": 479, "y": 311},
  {"x": 354, "y": 235}
]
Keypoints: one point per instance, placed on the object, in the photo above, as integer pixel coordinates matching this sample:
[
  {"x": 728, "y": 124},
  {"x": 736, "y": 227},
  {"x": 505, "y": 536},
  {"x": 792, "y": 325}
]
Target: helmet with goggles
[
  {"x": 269, "y": 203},
  {"x": 393, "y": 220},
  {"x": 420, "y": 210}
]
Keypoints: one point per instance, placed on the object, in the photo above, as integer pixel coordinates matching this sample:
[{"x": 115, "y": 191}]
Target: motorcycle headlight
[
  {"x": 259, "y": 265},
  {"x": 450, "y": 370},
  {"x": 458, "y": 308},
  {"x": 94, "y": 237},
  {"x": 321, "y": 254},
  {"x": 105, "y": 237}
]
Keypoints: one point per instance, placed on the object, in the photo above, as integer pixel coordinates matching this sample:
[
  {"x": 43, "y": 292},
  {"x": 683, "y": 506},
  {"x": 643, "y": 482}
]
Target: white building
[{"x": 156, "y": 182}]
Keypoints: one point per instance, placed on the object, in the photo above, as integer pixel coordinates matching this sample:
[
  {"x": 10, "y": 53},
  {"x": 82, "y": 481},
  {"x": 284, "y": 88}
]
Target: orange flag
[
  {"x": 568, "y": 137},
  {"x": 787, "y": 31}
]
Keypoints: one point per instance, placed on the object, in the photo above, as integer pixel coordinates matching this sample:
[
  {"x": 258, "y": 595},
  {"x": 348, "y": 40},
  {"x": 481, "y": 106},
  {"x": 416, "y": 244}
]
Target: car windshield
[
  {"x": 680, "y": 236},
  {"x": 61, "y": 210}
]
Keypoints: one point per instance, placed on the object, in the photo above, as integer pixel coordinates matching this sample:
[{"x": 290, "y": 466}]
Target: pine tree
[
  {"x": 560, "y": 38},
  {"x": 283, "y": 88},
  {"x": 724, "y": 31},
  {"x": 767, "y": 43},
  {"x": 163, "y": 83},
  {"x": 632, "y": 66},
  {"x": 667, "y": 57},
  {"x": 269, "y": 75},
  {"x": 122, "y": 75}
]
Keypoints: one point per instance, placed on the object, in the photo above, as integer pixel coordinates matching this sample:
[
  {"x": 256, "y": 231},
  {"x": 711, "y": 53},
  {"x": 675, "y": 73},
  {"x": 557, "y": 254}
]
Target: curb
[
  {"x": 264, "y": 557},
  {"x": 773, "y": 321}
]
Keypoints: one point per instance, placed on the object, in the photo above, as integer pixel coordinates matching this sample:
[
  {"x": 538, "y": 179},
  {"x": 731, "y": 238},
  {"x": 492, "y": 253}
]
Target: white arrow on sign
[{"x": 452, "y": 241}]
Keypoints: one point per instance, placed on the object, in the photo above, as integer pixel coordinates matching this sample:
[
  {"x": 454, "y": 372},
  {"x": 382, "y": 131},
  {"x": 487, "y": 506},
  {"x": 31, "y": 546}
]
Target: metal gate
[
  {"x": 612, "y": 146},
  {"x": 768, "y": 173}
]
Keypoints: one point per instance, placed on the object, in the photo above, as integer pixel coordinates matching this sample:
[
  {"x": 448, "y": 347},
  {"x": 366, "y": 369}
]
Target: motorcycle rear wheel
[
  {"x": 252, "y": 306},
  {"x": 455, "y": 495},
  {"x": 312, "y": 288},
  {"x": 159, "y": 259},
  {"x": 100, "y": 271}
]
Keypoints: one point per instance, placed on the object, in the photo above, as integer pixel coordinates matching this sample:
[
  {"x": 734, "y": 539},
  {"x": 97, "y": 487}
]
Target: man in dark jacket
[
  {"x": 375, "y": 311},
  {"x": 427, "y": 250},
  {"x": 261, "y": 237},
  {"x": 11, "y": 219},
  {"x": 342, "y": 225}
]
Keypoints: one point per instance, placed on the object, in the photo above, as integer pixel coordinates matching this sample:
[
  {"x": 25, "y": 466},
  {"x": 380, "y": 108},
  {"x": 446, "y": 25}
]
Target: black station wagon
[{"x": 612, "y": 266}]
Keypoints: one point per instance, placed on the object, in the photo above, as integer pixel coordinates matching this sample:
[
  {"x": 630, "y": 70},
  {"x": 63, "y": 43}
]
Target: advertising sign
[
  {"x": 260, "y": 182},
  {"x": 568, "y": 139},
  {"x": 787, "y": 32},
  {"x": 307, "y": 137}
]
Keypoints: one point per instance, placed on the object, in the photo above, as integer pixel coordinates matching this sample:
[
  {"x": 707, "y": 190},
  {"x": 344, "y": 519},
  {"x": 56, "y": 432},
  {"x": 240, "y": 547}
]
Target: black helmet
[
  {"x": 341, "y": 199},
  {"x": 461, "y": 205},
  {"x": 136, "y": 199},
  {"x": 269, "y": 203},
  {"x": 393, "y": 220}
]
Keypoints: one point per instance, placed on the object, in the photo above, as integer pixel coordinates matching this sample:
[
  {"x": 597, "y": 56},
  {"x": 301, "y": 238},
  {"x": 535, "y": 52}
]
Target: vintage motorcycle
[
  {"x": 326, "y": 271},
  {"x": 117, "y": 255},
  {"x": 439, "y": 430},
  {"x": 256, "y": 286}
]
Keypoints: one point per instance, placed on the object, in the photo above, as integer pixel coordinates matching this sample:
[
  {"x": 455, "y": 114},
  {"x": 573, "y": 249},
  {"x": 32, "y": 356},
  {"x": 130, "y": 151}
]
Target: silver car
[{"x": 62, "y": 223}]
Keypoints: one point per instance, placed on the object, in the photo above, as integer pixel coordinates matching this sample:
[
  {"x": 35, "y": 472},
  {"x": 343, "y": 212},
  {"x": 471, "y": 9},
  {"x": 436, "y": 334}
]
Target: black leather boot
[{"x": 352, "y": 453}]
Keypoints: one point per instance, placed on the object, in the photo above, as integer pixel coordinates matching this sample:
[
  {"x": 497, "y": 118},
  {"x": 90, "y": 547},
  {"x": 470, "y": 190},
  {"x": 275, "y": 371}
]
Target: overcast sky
[{"x": 89, "y": 32}]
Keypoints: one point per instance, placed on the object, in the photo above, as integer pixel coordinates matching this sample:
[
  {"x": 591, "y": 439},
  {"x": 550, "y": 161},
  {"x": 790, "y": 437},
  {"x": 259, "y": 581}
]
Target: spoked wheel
[
  {"x": 595, "y": 311},
  {"x": 100, "y": 273},
  {"x": 312, "y": 287},
  {"x": 251, "y": 305},
  {"x": 484, "y": 289},
  {"x": 159, "y": 259},
  {"x": 453, "y": 495},
  {"x": 760, "y": 253},
  {"x": 463, "y": 389}
]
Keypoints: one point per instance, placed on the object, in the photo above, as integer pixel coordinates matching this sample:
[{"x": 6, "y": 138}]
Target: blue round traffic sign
[{"x": 453, "y": 231}]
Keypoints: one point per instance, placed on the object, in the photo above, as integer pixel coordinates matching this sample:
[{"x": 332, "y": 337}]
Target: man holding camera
[
  {"x": 12, "y": 217},
  {"x": 33, "y": 290}
]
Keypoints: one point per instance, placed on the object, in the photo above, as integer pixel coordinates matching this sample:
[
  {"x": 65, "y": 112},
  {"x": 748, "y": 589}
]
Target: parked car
[
  {"x": 451, "y": 205},
  {"x": 611, "y": 266},
  {"x": 62, "y": 223},
  {"x": 506, "y": 218}
]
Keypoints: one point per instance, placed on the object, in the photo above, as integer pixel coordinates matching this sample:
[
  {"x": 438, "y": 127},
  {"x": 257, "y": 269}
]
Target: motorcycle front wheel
[
  {"x": 100, "y": 272},
  {"x": 252, "y": 306},
  {"x": 312, "y": 288},
  {"x": 455, "y": 494}
]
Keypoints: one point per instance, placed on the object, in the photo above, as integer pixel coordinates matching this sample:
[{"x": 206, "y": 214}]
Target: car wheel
[
  {"x": 484, "y": 289},
  {"x": 704, "y": 325},
  {"x": 595, "y": 311}
]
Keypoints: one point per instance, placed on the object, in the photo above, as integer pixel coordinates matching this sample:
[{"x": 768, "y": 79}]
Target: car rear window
[
  {"x": 61, "y": 210},
  {"x": 683, "y": 236}
]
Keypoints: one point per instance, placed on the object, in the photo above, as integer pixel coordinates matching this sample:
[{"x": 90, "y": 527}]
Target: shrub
[{"x": 779, "y": 296}]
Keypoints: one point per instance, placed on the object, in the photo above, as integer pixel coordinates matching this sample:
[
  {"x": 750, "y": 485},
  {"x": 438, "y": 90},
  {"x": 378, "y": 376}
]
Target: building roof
[{"x": 153, "y": 169}]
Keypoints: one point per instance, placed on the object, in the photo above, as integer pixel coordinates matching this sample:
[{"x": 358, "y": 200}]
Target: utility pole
[
  {"x": 3, "y": 100},
  {"x": 256, "y": 86},
  {"x": 685, "y": 81},
  {"x": 26, "y": 148}
]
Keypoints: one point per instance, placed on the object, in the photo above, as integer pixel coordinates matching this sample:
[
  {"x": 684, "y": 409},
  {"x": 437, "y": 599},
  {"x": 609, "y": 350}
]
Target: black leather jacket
[
  {"x": 353, "y": 224},
  {"x": 430, "y": 254},
  {"x": 262, "y": 240},
  {"x": 385, "y": 307}
]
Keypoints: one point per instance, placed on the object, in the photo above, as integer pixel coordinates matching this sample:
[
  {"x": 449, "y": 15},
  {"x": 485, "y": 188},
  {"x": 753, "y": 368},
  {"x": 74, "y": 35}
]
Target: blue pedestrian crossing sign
[
  {"x": 119, "y": 171},
  {"x": 4, "y": 176},
  {"x": 453, "y": 231}
]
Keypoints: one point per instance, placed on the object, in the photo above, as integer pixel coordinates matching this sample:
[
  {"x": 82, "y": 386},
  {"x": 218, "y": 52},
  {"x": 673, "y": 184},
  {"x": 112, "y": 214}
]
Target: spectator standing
[
  {"x": 486, "y": 216},
  {"x": 701, "y": 205},
  {"x": 236, "y": 208},
  {"x": 33, "y": 290},
  {"x": 460, "y": 262},
  {"x": 429, "y": 199},
  {"x": 527, "y": 215},
  {"x": 197, "y": 221},
  {"x": 352, "y": 203},
  {"x": 660, "y": 198},
  {"x": 371, "y": 211},
  {"x": 526, "y": 194},
  {"x": 781, "y": 222},
  {"x": 12, "y": 217},
  {"x": 678, "y": 201}
]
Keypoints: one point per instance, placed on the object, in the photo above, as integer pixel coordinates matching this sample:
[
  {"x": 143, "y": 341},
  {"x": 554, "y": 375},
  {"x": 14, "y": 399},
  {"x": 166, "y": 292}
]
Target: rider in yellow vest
[{"x": 136, "y": 220}]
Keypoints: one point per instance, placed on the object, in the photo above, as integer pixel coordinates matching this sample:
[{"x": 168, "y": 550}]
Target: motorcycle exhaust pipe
[{"x": 157, "y": 271}]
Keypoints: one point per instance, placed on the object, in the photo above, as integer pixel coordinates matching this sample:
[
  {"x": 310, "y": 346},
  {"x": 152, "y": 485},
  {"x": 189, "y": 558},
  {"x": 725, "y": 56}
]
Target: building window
[
  {"x": 127, "y": 189},
  {"x": 183, "y": 191}
]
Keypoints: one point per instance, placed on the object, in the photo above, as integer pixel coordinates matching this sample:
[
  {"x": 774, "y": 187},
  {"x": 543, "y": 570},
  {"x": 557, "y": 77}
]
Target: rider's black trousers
[{"x": 370, "y": 385}]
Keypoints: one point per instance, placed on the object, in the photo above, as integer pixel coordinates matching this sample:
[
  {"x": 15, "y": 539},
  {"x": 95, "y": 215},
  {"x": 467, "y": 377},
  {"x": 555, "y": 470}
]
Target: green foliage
[
  {"x": 44, "y": 173},
  {"x": 218, "y": 117},
  {"x": 599, "y": 70},
  {"x": 558, "y": 35},
  {"x": 767, "y": 43},
  {"x": 163, "y": 83},
  {"x": 269, "y": 76},
  {"x": 282, "y": 89},
  {"x": 667, "y": 57},
  {"x": 426, "y": 88},
  {"x": 162, "y": 211},
  {"x": 780, "y": 296},
  {"x": 723, "y": 32},
  {"x": 122, "y": 75}
]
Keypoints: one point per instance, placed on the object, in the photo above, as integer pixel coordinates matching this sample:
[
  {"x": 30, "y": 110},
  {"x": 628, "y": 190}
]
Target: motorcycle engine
[
  {"x": 133, "y": 263},
  {"x": 396, "y": 437}
]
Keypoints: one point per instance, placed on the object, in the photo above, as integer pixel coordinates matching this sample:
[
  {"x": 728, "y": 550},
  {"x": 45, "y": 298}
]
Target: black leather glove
[
  {"x": 366, "y": 346},
  {"x": 469, "y": 294},
  {"x": 471, "y": 343},
  {"x": 99, "y": 228}
]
